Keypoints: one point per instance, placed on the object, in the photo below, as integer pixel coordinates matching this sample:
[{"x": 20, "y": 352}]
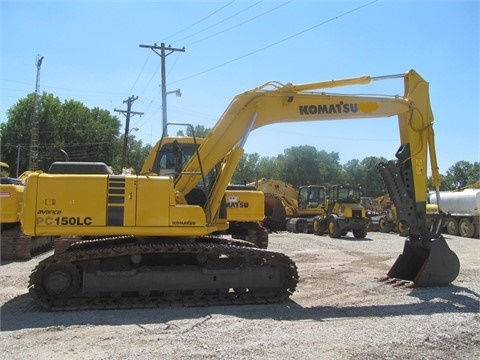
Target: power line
[
  {"x": 99, "y": 96},
  {"x": 275, "y": 43},
  {"x": 265, "y": 47},
  {"x": 251, "y": 53},
  {"x": 240, "y": 24},
  {"x": 221, "y": 21},
  {"x": 199, "y": 21},
  {"x": 140, "y": 73},
  {"x": 47, "y": 85},
  {"x": 45, "y": 146}
]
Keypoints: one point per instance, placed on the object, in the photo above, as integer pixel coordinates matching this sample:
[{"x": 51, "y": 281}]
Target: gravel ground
[{"x": 339, "y": 311}]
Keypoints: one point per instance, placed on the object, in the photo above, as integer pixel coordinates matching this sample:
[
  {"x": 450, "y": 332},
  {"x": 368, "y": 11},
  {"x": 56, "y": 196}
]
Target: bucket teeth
[
  {"x": 397, "y": 282},
  {"x": 403, "y": 283}
]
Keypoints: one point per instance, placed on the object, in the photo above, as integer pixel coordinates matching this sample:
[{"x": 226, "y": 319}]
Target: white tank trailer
[{"x": 464, "y": 209}]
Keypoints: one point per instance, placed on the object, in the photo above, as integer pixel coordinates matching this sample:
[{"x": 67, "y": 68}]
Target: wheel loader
[
  {"x": 373, "y": 211},
  {"x": 389, "y": 222},
  {"x": 345, "y": 213},
  {"x": 153, "y": 244},
  {"x": 311, "y": 200},
  {"x": 317, "y": 209},
  {"x": 287, "y": 208},
  {"x": 332, "y": 209}
]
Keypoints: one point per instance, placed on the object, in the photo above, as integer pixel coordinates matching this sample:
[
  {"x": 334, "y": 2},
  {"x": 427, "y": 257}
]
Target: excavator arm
[{"x": 405, "y": 178}]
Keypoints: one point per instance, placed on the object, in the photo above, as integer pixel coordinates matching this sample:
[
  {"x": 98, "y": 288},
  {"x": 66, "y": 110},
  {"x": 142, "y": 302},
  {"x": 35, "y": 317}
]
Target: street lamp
[{"x": 177, "y": 93}]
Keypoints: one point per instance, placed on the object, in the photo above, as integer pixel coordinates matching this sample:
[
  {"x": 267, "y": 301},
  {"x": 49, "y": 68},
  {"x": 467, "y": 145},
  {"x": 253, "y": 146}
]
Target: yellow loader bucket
[{"x": 435, "y": 265}]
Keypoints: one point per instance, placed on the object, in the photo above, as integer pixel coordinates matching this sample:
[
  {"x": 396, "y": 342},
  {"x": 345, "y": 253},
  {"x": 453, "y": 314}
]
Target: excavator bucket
[{"x": 436, "y": 265}]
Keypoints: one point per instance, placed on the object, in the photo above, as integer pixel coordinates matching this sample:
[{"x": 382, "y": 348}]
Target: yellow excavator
[
  {"x": 281, "y": 202},
  {"x": 152, "y": 245},
  {"x": 15, "y": 245}
]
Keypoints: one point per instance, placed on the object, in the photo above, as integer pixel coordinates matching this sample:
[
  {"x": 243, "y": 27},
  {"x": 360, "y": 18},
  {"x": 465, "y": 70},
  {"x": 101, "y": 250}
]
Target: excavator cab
[
  {"x": 169, "y": 157},
  {"x": 311, "y": 199}
]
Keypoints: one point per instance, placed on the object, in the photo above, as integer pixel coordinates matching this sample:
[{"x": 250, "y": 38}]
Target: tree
[
  {"x": 200, "y": 131},
  {"x": 372, "y": 181},
  {"x": 296, "y": 162},
  {"x": 329, "y": 167},
  {"x": 84, "y": 134},
  {"x": 365, "y": 174},
  {"x": 15, "y": 134},
  {"x": 93, "y": 135},
  {"x": 354, "y": 172},
  {"x": 136, "y": 154},
  {"x": 304, "y": 165},
  {"x": 444, "y": 183},
  {"x": 246, "y": 169},
  {"x": 267, "y": 167},
  {"x": 87, "y": 135},
  {"x": 462, "y": 174}
]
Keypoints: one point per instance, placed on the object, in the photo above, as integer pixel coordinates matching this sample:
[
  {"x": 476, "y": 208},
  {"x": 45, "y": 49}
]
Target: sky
[{"x": 91, "y": 53}]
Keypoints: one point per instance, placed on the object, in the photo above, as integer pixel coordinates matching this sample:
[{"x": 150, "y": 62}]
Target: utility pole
[
  {"x": 18, "y": 160},
  {"x": 163, "y": 55},
  {"x": 128, "y": 113},
  {"x": 33, "y": 159}
]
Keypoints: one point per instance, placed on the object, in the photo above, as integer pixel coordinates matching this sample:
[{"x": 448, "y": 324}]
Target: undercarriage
[
  {"x": 126, "y": 272},
  {"x": 253, "y": 232}
]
